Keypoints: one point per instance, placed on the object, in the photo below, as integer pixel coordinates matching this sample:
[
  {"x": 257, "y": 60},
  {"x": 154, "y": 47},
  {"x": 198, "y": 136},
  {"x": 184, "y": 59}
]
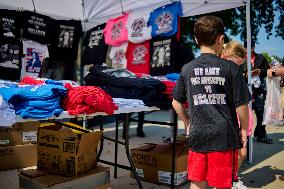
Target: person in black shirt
[
  {"x": 215, "y": 90},
  {"x": 259, "y": 66}
]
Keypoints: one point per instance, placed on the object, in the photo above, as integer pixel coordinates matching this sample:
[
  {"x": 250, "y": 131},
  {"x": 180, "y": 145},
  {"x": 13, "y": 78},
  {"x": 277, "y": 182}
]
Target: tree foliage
[
  {"x": 267, "y": 57},
  {"x": 263, "y": 13}
]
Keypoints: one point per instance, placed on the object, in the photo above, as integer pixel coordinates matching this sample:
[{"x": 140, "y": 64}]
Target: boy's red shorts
[{"x": 217, "y": 168}]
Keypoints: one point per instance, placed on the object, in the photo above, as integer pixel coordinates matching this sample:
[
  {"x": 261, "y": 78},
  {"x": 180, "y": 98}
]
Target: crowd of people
[{"x": 219, "y": 118}]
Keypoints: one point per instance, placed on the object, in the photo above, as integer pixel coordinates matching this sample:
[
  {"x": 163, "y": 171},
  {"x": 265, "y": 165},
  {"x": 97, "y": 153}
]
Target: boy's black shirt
[{"x": 214, "y": 88}]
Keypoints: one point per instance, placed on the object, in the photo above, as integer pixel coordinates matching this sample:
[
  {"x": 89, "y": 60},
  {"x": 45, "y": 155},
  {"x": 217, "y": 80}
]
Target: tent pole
[{"x": 250, "y": 142}]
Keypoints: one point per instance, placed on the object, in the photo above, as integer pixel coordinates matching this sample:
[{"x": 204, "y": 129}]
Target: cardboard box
[
  {"x": 19, "y": 134},
  {"x": 64, "y": 152},
  {"x": 153, "y": 163},
  {"x": 20, "y": 156},
  {"x": 98, "y": 178},
  {"x": 146, "y": 162}
]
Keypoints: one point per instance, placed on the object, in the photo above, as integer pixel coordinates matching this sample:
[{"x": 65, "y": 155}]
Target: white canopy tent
[{"x": 95, "y": 12}]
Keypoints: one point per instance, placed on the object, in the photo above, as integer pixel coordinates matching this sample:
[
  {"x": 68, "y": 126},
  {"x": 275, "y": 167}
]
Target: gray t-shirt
[{"x": 214, "y": 88}]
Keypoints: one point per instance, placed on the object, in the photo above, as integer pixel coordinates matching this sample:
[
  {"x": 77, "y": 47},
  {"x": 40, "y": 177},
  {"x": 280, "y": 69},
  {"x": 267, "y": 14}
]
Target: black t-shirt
[
  {"x": 162, "y": 51},
  {"x": 68, "y": 33},
  {"x": 9, "y": 24},
  {"x": 10, "y": 59},
  {"x": 214, "y": 87},
  {"x": 37, "y": 27},
  {"x": 95, "y": 46}
]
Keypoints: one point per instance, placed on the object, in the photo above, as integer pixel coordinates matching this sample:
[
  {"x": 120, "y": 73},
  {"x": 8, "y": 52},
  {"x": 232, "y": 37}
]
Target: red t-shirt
[{"x": 138, "y": 57}]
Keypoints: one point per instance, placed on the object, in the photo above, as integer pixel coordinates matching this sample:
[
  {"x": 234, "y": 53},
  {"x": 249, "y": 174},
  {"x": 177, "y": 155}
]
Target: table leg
[
  {"x": 175, "y": 128},
  {"x": 127, "y": 121},
  {"x": 116, "y": 145},
  {"x": 102, "y": 137}
]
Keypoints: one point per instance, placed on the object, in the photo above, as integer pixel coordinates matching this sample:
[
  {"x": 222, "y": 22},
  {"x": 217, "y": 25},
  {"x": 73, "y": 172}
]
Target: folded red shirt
[
  {"x": 28, "y": 80},
  {"x": 88, "y": 100}
]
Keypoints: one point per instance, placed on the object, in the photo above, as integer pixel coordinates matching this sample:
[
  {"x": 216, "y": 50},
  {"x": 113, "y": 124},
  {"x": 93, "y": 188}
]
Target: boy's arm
[
  {"x": 243, "y": 116},
  {"x": 180, "y": 110}
]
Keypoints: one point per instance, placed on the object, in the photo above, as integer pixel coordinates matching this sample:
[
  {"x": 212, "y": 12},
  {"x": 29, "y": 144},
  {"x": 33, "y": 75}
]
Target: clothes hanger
[
  {"x": 34, "y": 5},
  {"x": 122, "y": 11}
]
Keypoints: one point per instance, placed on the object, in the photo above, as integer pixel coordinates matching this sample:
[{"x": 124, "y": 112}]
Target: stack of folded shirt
[
  {"x": 173, "y": 76},
  {"x": 128, "y": 103},
  {"x": 88, "y": 100},
  {"x": 36, "y": 101}
]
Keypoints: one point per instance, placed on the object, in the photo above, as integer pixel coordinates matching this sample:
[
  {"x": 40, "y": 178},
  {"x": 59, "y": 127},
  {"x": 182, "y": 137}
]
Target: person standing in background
[{"x": 259, "y": 66}]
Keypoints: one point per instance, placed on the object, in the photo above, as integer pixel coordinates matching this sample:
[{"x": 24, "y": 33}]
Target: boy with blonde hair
[{"x": 236, "y": 52}]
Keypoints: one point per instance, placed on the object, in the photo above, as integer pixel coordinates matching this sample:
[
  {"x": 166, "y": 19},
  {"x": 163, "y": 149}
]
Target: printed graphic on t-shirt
[
  {"x": 137, "y": 27},
  {"x": 164, "y": 22},
  {"x": 208, "y": 77},
  {"x": 116, "y": 30},
  {"x": 95, "y": 38},
  {"x": 66, "y": 36},
  {"x": 118, "y": 59},
  {"x": 8, "y": 27},
  {"x": 161, "y": 54},
  {"x": 33, "y": 60},
  {"x": 37, "y": 26},
  {"x": 139, "y": 54},
  {"x": 9, "y": 56}
]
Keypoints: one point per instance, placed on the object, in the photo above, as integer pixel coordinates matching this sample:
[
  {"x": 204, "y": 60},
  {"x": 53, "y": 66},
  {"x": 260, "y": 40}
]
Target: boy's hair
[
  {"x": 207, "y": 29},
  {"x": 234, "y": 49}
]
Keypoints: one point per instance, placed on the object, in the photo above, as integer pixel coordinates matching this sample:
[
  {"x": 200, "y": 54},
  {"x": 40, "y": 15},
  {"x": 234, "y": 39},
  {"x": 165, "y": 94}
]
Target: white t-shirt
[
  {"x": 34, "y": 55},
  {"x": 7, "y": 113},
  {"x": 118, "y": 55},
  {"x": 138, "y": 31}
]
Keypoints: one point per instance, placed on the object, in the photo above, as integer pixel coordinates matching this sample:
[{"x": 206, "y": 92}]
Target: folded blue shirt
[
  {"x": 39, "y": 101},
  {"x": 173, "y": 76}
]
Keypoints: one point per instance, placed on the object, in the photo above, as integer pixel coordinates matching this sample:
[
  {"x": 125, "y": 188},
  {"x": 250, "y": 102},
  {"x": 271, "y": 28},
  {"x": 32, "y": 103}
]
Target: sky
[{"x": 273, "y": 45}]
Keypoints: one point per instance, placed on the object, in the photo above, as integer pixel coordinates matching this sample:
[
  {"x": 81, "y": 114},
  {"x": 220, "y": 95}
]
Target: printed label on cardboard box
[
  {"x": 30, "y": 136},
  {"x": 140, "y": 172},
  {"x": 165, "y": 177},
  {"x": 4, "y": 142},
  {"x": 145, "y": 160},
  {"x": 49, "y": 138},
  {"x": 6, "y": 151},
  {"x": 69, "y": 147}
]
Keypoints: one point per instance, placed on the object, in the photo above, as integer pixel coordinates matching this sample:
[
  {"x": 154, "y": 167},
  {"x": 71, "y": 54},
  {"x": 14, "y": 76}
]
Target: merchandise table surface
[{"x": 65, "y": 114}]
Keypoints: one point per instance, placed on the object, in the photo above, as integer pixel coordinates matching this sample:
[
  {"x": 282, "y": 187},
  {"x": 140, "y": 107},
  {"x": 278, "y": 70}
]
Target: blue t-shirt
[
  {"x": 164, "y": 20},
  {"x": 35, "y": 101}
]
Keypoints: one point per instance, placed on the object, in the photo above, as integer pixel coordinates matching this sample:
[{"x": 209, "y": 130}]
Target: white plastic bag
[{"x": 273, "y": 112}]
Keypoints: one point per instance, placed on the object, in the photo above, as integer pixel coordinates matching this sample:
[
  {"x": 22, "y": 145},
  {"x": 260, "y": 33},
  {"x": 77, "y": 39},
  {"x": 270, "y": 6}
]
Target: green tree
[
  {"x": 262, "y": 14},
  {"x": 277, "y": 58},
  {"x": 268, "y": 58}
]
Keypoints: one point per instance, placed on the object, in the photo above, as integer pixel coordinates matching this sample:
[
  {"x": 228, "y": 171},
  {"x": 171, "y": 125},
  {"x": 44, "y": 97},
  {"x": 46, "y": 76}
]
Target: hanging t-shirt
[
  {"x": 95, "y": 47},
  {"x": 68, "y": 37},
  {"x": 163, "y": 52},
  {"x": 138, "y": 57},
  {"x": 115, "y": 31},
  {"x": 118, "y": 56},
  {"x": 10, "y": 59},
  {"x": 9, "y": 21},
  {"x": 138, "y": 31},
  {"x": 37, "y": 27},
  {"x": 34, "y": 55},
  {"x": 164, "y": 20}
]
